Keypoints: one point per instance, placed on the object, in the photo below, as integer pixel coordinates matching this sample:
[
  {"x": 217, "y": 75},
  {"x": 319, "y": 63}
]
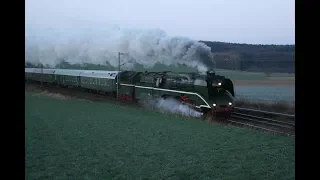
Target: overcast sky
[{"x": 239, "y": 21}]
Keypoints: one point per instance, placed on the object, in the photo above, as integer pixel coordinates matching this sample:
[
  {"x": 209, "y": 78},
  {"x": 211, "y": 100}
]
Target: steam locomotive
[{"x": 207, "y": 93}]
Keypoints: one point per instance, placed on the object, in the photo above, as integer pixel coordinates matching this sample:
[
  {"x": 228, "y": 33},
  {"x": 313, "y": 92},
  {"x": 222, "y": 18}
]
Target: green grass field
[{"x": 75, "y": 139}]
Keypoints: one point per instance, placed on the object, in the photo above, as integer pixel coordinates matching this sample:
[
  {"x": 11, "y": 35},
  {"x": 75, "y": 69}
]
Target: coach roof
[{"x": 99, "y": 74}]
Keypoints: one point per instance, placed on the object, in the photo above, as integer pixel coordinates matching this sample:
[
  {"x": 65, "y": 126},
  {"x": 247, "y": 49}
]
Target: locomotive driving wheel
[
  {"x": 186, "y": 100},
  {"x": 190, "y": 103}
]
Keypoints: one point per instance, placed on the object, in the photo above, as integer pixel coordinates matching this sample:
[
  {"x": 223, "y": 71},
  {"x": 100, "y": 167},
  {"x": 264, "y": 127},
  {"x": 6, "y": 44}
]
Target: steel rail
[
  {"x": 263, "y": 120},
  {"x": 265, "y": 112},
  {"x": 257, "y": 119}
]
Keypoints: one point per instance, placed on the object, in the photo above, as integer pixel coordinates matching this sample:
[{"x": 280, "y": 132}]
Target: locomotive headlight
[
  {"x": 214, "y": 105},
  {"x": 230, "y": 103},
  {"x": 216, "y": 83}
]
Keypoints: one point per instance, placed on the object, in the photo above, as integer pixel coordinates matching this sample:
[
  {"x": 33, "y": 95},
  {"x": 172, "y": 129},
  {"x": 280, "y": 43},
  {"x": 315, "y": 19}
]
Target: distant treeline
[{"x": 258, "y": 58}]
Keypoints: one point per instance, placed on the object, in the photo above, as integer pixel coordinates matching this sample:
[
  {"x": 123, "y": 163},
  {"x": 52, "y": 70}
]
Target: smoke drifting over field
[
  {"x": 99, "y": 44},
  {"x": 171, "y": 105}
]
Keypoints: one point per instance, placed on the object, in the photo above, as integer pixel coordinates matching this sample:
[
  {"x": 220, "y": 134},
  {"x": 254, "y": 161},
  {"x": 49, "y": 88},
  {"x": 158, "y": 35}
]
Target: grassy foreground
[{"x": 75, "y": 139}]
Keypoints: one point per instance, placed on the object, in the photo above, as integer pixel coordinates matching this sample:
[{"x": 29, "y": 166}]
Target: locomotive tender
[{"x": 204, "y": 92}]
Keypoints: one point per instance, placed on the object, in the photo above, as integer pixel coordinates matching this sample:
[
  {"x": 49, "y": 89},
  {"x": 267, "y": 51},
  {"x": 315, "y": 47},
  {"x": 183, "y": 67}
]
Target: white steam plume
[
  {"x": 100, "y": 45},
  {"x": 172, "y": 106}
]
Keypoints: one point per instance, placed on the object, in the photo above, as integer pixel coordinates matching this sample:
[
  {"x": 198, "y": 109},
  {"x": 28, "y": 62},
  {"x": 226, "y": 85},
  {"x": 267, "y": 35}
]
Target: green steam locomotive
[{"x": 203, "y": 92}]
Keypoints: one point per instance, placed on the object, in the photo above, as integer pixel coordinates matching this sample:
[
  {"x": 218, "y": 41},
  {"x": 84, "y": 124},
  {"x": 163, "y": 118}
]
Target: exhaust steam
[
  {"x": 171, "y": 105},
  {"x": 80, "y": 44}
]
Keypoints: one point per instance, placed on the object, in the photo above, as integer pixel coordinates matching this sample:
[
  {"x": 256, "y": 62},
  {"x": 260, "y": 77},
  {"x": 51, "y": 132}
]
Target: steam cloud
[
  {"x": 172, "y": 106},
  {"x": 100, "y": 45}
]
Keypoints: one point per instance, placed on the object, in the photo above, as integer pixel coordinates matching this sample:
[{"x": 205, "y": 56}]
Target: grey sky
[{"x": 240, "y": 21}]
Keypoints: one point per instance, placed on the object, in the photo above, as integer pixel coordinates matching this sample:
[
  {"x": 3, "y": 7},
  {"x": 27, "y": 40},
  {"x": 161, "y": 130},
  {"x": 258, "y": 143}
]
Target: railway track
[
  {"x": 264, "y": 120},
  {"x": 257, "y": 119}
]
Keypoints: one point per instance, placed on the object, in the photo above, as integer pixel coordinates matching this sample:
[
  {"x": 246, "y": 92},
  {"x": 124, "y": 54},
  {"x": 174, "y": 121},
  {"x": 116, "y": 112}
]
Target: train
[{"x": 206, "y": 93}]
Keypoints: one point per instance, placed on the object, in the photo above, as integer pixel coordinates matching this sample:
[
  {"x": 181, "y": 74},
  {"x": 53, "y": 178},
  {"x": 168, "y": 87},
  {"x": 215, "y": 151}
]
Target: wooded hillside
[{"x": 247, "y": 57}]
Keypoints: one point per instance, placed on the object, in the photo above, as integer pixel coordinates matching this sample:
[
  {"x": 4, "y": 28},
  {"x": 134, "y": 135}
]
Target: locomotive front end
[{"x": 221, "y": 94}]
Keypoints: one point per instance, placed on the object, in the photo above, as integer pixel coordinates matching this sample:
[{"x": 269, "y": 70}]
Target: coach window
[
  {"x": 160, "y": 82},
  {"x": 157, "y": 82}
]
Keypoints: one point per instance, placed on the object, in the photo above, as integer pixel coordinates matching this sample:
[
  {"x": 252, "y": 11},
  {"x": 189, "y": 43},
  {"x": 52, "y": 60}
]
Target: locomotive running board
[{"x": 169, "y": 90}]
